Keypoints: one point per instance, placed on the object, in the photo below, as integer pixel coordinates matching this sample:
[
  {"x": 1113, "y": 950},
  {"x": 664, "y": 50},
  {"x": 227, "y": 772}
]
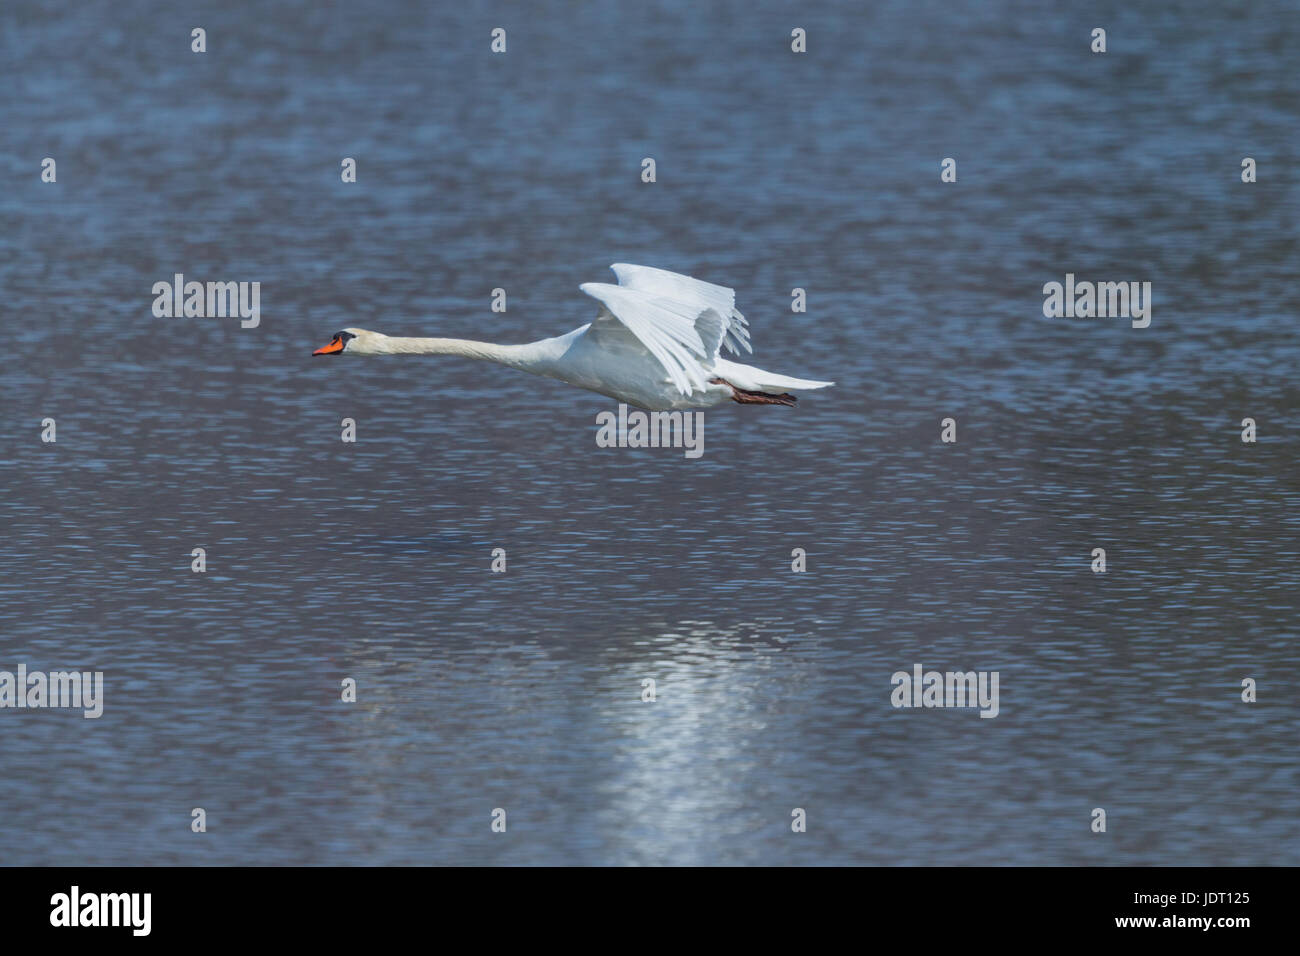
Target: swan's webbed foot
[{"x": 744, "y": 397}]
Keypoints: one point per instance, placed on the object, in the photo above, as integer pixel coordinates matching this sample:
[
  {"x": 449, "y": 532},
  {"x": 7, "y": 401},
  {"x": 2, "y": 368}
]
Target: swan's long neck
[{"x": 515, "y": 356}]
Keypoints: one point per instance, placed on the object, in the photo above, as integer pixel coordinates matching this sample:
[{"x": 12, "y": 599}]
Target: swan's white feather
[
  {"x": 667, "y": 327},
  {"x": 690, "y": 291},
  {"x": 761, "y": 380}
]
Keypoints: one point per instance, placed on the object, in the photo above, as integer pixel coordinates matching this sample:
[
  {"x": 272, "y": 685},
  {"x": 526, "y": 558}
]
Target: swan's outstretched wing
[
  {"x": 680, "y": 335},
  {"x": 688, "y": 291}
]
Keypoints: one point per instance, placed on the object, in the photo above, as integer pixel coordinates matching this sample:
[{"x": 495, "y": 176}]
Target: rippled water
[{"x": 371, "y": 560}]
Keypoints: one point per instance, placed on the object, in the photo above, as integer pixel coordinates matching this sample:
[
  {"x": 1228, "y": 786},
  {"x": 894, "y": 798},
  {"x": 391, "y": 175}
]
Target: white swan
[{"x": 654, "y": 344}]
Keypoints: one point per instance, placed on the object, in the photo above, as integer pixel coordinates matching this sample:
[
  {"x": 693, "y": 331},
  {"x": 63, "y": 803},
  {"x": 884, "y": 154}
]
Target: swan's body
[{"x": 656, "y": 343}]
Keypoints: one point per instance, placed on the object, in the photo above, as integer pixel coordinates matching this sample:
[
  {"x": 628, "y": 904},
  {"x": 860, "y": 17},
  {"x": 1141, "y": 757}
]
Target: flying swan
[{"x": 655, "y": 343}]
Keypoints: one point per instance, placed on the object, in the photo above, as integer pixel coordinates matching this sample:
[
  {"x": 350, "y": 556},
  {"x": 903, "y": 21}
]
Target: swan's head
[{"x": 359, "y": 341}]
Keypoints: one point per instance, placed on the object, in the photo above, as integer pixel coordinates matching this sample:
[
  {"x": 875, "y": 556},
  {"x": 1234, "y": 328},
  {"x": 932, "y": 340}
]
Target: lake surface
[{"x": 371, "y": 560}]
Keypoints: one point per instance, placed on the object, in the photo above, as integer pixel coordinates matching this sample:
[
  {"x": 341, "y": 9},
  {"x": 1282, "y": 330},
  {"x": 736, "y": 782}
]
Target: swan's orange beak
[{"x": 336, "y": 345}]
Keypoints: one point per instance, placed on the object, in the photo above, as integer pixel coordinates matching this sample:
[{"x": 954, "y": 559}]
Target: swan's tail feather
[
  {"x": 770, "y": 380},
  {"x": 752, "y": 379}
]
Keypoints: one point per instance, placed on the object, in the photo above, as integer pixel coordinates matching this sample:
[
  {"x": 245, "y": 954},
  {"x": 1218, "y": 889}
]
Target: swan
[{"x": 655, "y": 343}]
